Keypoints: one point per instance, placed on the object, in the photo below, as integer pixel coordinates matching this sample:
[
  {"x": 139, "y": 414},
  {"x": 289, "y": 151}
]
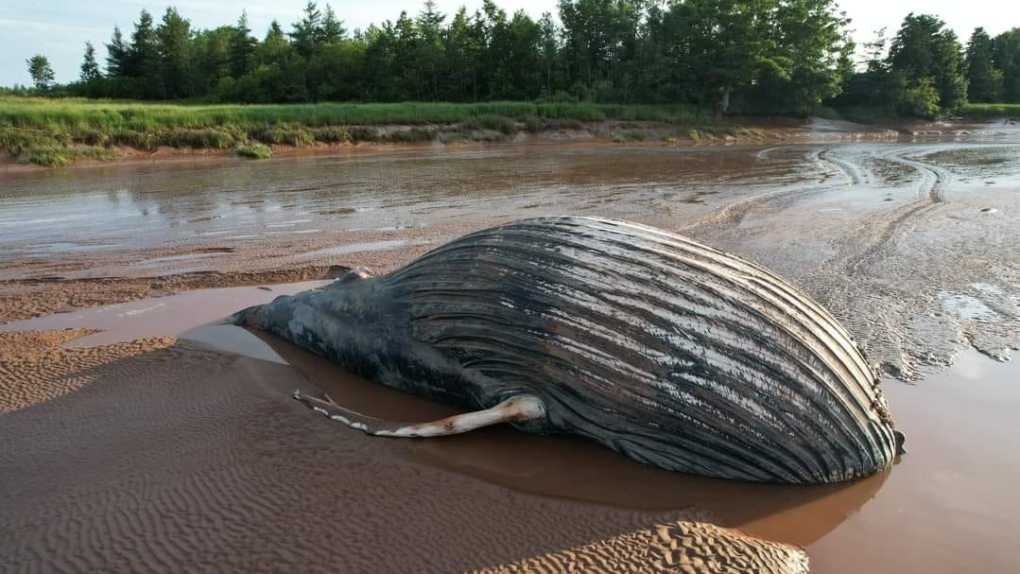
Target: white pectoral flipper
[{"x": 515, "y": 409}]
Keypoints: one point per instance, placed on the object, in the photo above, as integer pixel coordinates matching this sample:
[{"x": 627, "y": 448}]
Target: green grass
[
  {"x": 453, "y": 137},
  {"x": 254, "y": 151},
  {"x": 105, "y": 115},
  {"x": 991, "y": 110},
  {"x": 293, "y": 135},
  {"x": 64, "y": 156},
  {"x": 58, "y": 131},
  {"x": 331, "y": 134},
  {"x": 53, "y": 150},
  {"x": 728, "y": 133}
]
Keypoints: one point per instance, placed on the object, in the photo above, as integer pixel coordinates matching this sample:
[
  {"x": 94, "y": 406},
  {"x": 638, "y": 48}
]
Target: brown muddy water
[
  {"x": 913, "y": 245},
  {"x": 161, "y": 218}
]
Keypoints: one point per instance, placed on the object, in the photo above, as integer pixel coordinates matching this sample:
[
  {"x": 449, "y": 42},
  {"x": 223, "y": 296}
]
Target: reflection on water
[
  {"x": 45, "y": 214},
  {"x": 986, "y": 162},
  {"x": 952, "y": 504},
  {"x": 192, "y": 315},
  {"x": 570, "y": 467}
]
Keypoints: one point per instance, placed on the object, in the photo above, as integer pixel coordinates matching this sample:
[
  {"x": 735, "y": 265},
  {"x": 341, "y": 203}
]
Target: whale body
[{"x": 659, "y": 347}]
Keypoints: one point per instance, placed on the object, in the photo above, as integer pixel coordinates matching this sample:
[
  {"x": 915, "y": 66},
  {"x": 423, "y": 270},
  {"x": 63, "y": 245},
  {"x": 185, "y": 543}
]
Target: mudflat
[{"x": 139, "y": 435}]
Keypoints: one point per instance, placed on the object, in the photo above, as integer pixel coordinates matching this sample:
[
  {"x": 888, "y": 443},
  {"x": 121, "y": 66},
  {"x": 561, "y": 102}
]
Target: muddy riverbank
[{"x": 388, "y": 138}]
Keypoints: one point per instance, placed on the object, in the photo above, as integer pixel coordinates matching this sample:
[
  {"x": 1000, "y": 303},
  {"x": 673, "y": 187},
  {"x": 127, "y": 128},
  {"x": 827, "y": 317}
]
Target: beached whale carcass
[{"x": 659, "y": 347}]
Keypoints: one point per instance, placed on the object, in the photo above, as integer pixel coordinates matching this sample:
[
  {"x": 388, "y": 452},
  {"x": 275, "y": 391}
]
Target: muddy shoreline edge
[{"x": 731, "y": 131}]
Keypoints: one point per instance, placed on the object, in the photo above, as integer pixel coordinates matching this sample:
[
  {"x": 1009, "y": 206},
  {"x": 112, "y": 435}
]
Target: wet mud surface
[{"x": 912, "y": 245}]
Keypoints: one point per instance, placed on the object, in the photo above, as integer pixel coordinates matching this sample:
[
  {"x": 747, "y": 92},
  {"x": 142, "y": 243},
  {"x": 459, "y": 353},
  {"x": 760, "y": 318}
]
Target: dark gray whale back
[{"x": 666, "y": 350}]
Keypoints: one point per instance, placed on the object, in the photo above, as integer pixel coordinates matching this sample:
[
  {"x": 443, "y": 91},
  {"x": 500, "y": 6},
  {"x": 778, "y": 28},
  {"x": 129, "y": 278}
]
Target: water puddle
[
  {"x": 577, "y": 469},
  {"x": 389, "y": 191},
  {"x": 966, "y": 307},
  {"x": 355, "y": 248},
  {"x": 951, "y": 505},
  {"x": 981, "y": 302},
  {"x": 193, "y": 315},
  {"x": 174, "y": 259}
]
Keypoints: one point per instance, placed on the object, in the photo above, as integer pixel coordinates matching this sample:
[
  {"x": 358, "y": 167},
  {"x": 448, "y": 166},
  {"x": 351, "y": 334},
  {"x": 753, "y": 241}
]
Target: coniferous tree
[
  {"x": 173, "y": 37},
  {"x": 431, "y": 47},
  {"x": 548, "y": 52},
  {"x": 307, "y": 31},
  {"x": 210, "y": 59},
  {"x": 984, "y": 82},
  {"x": 331, "y": 30},
  {"x": 89, "y": 67},
  {"x": 141, "y": 63},
  {"x": 380, "y": 78},
  {"x": 242, "y": 48},
  {"x": 462, "y": 54},
  {"x": 116, "y": 55}
]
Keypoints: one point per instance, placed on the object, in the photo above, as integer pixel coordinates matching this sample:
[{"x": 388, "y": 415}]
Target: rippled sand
[{"x": 167, "y": 456}]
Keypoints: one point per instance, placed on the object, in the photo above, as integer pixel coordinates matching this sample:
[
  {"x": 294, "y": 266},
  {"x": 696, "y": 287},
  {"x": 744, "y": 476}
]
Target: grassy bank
[
  {"x": 58, "y": 131},
  {"x": 38, "y": 113},
  {"x": 992, "y": 110}
]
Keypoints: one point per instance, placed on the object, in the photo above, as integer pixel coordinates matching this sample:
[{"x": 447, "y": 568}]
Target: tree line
[
  {"x": 743, "y": 56},
  {"x": 924, "y": 71}
]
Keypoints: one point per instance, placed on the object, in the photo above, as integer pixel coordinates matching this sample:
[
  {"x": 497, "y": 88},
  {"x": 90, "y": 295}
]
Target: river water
[
  {"x": 913, "y": 245},
  {"x": 304, "y": 209}
]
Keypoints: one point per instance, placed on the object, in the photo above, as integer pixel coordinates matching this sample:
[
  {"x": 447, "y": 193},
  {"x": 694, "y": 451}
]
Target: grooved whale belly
[{"x": 657, "y": 346}]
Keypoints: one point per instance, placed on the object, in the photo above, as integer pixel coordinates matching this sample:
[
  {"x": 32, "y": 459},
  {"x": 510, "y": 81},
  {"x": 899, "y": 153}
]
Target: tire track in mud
[
  {"x": 931, "y": 195},
  {"x": 735, "y": 212},
  {"x": 844, "y": 282},
  {"x": 851, "y": 171},
  {"x": 875, "y": 233}
]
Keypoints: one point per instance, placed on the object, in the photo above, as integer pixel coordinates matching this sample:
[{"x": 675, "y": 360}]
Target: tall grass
[
  {"x": 57, "y": 131},
  {"x": 63, "y": 156},
  {"x": 80, "y": 114},
  {"x": 992, "y": 110},
  {"x": 254, "y": 151}
]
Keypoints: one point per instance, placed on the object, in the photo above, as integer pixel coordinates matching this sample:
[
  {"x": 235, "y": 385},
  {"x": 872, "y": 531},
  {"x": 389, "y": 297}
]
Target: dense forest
[{"x": 730, "y": 56}]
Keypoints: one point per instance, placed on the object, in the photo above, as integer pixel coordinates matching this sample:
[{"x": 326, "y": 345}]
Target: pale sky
[{"x": 58, "y": 29}]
